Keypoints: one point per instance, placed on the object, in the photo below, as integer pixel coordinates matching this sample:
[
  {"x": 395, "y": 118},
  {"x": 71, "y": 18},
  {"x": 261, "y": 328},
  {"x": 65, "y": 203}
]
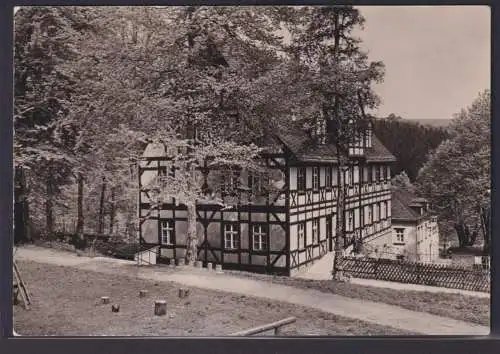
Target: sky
[{"x": 437, "y": 58}]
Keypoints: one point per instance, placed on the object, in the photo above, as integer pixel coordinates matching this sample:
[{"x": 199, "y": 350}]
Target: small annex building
[{"x": 415, "y": 232}]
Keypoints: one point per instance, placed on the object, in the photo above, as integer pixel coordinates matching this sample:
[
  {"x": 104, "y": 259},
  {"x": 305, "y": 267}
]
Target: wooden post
[
  {"x": 160, "y": 308},
  {"x": 209, "y": 266},
  {"x": 218, "y": 268},
  {"x": 104, "y": 300},
  {"x": 183, "y": 293}
]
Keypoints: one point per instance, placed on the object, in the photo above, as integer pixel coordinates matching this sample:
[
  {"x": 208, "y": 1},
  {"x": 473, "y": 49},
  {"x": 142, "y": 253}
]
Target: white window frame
[
  {"x": 168, "y": 227},
  {"x": 231, "y": 234},
  {"x": 328, "y": 176},
  {"x": 400, "y": 235},
  {"x": 255, "y": 180},
  {"x": 315, "y": 178},
  {"x": 315, "y": 231},
  {"x": 301, "y": 232},
  {"x": 301, "y": 172},
  {"x": 370, "y": 214},
  {"x": 260, "y": 236},
  {"x": 350, "y": 220}
]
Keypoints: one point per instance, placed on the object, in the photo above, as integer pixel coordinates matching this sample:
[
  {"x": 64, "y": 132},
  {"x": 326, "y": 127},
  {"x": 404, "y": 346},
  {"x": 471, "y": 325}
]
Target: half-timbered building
[{"x": 282, "y": 220}]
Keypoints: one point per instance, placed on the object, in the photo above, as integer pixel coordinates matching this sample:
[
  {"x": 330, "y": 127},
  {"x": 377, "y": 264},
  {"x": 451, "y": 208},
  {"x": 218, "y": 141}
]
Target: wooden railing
[{"x": 265, "y": 328}]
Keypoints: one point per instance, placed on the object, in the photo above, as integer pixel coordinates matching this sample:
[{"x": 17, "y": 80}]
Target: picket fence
[{"x": 447, "y": 276}]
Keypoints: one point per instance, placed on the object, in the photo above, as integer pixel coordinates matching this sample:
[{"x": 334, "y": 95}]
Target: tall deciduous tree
[
  {"x": 340, "y": 86},
  {"x": 457, "y": 176},
  {"x": 44, "y": 39}
]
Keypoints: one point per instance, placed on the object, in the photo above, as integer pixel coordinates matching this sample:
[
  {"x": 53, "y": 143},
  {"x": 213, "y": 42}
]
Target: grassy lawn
[
  {"x": 66, "y": 303},
  {"x": 457, "y": 306}
]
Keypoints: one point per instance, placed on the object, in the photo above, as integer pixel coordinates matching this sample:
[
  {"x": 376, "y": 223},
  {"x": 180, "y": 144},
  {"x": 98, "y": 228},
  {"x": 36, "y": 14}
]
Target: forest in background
[{"x": 94, "y": 86}]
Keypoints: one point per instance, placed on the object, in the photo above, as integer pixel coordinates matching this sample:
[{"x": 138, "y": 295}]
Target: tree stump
[
  {"x": 183, "y": 293},
  {"x": 104, "y": 299},
  {"x": 160, "y": 308},
  {"x": 143, "y": 293},
  {"x": 115, "y": 308},
  {"x": 209, "y": 266}
]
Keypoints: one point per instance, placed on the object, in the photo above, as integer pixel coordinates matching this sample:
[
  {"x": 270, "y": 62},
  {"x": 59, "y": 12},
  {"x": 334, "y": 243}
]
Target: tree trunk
[
  {"x": 49, "y": 207},
  {"x": 485, "y": 222},
  {"x": 340, "y": 223},
  {"x": 100, "y": 228},
  {"x": 21, "y": 209},
  {"x": 112, "y": 211},
  {"x": 192, "y": 237},
  {"x": 79, "y": 218},
  {"x": 463, "y": 234}
]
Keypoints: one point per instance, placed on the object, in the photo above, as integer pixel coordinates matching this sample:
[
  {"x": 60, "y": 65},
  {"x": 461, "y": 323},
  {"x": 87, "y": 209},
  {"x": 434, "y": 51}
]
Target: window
[
  {"x": 377, "y": 173},
  {"x": 167, "y": 232},
  {"x": 231, "y": 240},
  {"x": 166, "y": 171},
  {"x": 230, "y": 182},
  {"x": 383, "y": 213},
  {"x": 301, "y": 231},
  {"x": 388, "y": 172},
  {"x": 259, "y": 237},
  {"x": 400, "y": 238},
  {"x": 348, "y": 176},
  {"x": 315, "y": 230},
  {"x": 315, "y": 178},
  {"x": 329, "y": 227},
  {"x": 370, "y": 174},
  {"x": 301, "y": 178},
  {"x": 369, "y": 137},
  {"x": 254, "y": 182},
  {"x": 328, "y": 177},
  {"x": 350, "y": 220},
  {"x": 370, "y": 214}
]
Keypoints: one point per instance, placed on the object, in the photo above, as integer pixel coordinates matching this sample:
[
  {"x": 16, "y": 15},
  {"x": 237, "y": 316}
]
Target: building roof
[
  {"x": 402, "y": 202},
  {"x": 305, "y": 149}
]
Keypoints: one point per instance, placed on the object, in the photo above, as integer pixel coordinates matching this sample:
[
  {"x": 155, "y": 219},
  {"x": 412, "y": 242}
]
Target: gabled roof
[
  {"x": 306, "y": 149},
  {"x": 402, "y": 202}
]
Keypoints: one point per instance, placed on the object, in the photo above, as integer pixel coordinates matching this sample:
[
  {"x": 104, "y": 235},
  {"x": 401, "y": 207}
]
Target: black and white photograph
[{"x": 247, "y": 171}]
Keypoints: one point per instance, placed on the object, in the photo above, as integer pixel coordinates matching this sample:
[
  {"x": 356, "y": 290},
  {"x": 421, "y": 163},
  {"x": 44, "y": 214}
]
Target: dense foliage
[
  {"x": 409, "y": 142},
  {"x": 457, "y": 177}
]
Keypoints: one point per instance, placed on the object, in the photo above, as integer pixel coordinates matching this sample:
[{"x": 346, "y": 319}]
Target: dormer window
[
  {"x": 368, "y": 135},
  {"x": 356, "y": 146}
]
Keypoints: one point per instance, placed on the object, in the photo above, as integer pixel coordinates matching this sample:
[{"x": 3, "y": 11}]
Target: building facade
[
  {"x": 282, "y": 220},
  {"x": 415, "y": 233}
]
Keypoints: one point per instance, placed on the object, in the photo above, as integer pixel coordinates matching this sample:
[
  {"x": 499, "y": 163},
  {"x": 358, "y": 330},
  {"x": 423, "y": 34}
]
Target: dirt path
[{"x": 382, "y": 314}]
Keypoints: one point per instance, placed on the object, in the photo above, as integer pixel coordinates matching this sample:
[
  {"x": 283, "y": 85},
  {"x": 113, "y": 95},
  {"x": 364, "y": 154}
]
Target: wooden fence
[{"x": 418, "y": 273}]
